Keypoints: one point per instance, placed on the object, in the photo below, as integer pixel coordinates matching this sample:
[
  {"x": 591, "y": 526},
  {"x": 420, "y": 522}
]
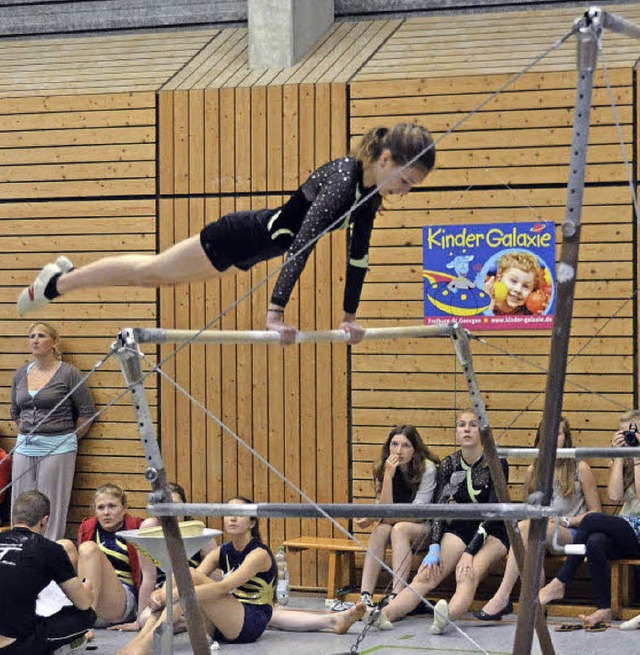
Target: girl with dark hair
[
  {"x": 236, "y": 608},
  {"x": 406, "y": 473},
  {"x": 390, "y": 160},
  {"x": 468, "y": 547},
  {"x": 575, "y": 493}
]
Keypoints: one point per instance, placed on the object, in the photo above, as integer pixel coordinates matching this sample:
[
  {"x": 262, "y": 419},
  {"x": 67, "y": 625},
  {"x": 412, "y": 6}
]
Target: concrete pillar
[{"x": 281, "y": 31}]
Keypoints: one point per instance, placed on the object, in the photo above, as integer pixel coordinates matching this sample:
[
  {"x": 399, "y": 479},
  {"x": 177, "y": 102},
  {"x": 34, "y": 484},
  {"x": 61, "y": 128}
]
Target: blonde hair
[
  {"x": 565, "y": 470},
  {"x": 112, "y": 489},
  {"x": 405, "y": 142},
  {"x": 631, "y": 416},
  {"x": 53, "y": 333},
  {"x": 523, "y": 261}
]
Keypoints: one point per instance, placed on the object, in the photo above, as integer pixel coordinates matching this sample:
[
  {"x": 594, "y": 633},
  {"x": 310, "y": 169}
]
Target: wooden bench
[
  {"x": 342, "y": 565},
  {"x": 621, "y": 584},
  {"x": 341, "y": 557}
]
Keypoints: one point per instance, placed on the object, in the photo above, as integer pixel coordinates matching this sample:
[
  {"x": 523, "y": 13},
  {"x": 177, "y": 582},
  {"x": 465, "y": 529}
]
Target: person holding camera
[
  {"x": 624, "y": 473},
  {"x": 606, "y": 537}
]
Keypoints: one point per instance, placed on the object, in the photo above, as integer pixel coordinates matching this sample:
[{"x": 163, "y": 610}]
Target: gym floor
[{"x": 411, "y": 636}]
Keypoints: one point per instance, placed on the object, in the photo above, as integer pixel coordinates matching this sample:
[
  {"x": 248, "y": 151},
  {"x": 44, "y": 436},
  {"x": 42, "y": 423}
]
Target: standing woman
[
  {"x": 379, "y": 163},
  {"x": 52, "y": 408},
  {"x": 406, "y": 473},
  {"x": 469, "y": 547},
  {"x": 237, "y": 608},
  {"x": 575, "y": 493}
]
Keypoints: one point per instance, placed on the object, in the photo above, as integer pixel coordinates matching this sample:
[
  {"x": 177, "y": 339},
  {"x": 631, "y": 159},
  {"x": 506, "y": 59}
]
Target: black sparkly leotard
[
  {"x": 243, "y": 239},
  {"x": 475, "y": 487}
]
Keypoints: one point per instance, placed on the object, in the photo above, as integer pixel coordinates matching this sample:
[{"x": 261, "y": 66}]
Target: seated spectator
[
  {"x": 468, "y": 547},
  {"x": 109, "y": 563},
  {"x": 406, "y": 473},
  {"x": 624, "y": 473},
  {"x": 236, "y": 608},
  {"x": 28, "y": 563},
  {"x": 575, "y": 493},
  {"x": 154, "y": 577},
  {"x": 212, "y": 572},
  {"x": 606, "y": 538}
]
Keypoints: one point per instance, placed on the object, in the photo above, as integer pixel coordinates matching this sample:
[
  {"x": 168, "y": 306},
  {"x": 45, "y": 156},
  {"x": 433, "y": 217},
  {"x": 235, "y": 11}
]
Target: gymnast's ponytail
[{"x": 405, "y": 141}]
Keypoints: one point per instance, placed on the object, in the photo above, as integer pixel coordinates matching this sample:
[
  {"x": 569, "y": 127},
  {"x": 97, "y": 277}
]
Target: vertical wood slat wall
[
  {"x": 76, "y": 167},
  {"x": 78, "y": 177},
  {"x": 232, "y": 149},
  {"x": 507, "y": 163}
]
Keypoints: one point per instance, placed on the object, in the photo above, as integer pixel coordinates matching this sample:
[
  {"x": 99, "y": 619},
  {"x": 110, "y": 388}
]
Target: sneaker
[
  {"x": 365, "y": 597},
  {"x": 33, "y": 297},
  {"x": 376, "y": 617},
  {"x": 340, "y": 605},
  {"x": 631, "y": 624},
  {"x": 440, "y": 618}
]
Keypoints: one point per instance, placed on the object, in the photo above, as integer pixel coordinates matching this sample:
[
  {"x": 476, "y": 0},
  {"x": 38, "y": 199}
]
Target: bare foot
[
  {"x": 599, "y": 616},
  {"x": 553, "y": 591},
  {"x": 136, "y": 647},
  {"x": 89, "y": 635},
  {"x": 344, "y": 620}
]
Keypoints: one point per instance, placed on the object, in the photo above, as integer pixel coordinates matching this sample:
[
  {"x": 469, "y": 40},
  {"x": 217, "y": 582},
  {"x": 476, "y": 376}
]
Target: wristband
[{"x": 432, "y": 558}]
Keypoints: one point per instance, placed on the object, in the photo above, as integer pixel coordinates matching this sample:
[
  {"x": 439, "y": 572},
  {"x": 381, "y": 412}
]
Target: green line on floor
[{"x": 425, "y": 649}]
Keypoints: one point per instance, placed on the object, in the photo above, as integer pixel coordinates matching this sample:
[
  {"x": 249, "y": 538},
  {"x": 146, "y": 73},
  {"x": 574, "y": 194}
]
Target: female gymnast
[
  {"x": 236, "y": 608},
  {"x": 242, "y": 239}
]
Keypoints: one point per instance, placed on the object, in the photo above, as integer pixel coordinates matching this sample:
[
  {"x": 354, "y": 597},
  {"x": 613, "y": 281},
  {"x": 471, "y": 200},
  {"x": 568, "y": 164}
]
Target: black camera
[{"x": 631, "y": 436}]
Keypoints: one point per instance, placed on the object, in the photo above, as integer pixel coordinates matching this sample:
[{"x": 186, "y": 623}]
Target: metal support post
[
  {"x": 463, "y": 352},
  {"x": 588, "y": 42},
  {"x": 127, "y": 352}
]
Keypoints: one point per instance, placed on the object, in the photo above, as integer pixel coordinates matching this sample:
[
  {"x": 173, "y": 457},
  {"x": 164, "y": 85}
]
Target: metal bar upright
[
  {"x": 127, "y": 351},
  {"x": 463, "y": 352},
  {"x": 587, "y": 52}
]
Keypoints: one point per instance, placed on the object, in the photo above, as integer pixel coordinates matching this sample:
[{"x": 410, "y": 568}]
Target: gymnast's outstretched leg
[{"x": 186, "y": 261}]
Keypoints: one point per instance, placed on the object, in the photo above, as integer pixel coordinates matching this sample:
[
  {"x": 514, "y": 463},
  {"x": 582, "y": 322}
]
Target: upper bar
[
  {"x": 500, "y": 511},
  {"x": 571, "y": 453},
  {"x": 618, "y": 24},
  {"x": 160, "y": 335}
]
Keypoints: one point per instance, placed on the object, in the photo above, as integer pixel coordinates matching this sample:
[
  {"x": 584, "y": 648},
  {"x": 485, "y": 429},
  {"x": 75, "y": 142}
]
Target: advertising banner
[{"x": 490, "y": 277}]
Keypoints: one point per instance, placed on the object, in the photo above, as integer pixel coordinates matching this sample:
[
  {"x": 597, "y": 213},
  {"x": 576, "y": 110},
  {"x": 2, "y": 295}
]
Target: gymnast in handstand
[{"x": 379, "y": 163}]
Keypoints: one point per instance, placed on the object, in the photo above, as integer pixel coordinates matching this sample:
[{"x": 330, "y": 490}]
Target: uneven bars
[
  {"x": 571, "y": 453},
  {"x": 498, "y": 511},
  {"x": 160, "y": 335}
]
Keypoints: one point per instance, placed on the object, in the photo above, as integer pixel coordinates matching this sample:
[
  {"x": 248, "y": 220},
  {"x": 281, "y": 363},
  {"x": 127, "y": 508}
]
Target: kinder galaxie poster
[{"x": 490, "y": 277}]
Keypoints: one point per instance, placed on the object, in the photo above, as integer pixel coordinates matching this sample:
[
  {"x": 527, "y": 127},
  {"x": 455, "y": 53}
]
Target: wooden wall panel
[
  {"x": 509, "y": 162},
  {"x": 88, "y": 323},
  {"x": 234, "y": 149}
]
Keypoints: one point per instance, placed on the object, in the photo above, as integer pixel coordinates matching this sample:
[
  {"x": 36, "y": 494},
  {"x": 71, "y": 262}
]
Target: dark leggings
[{"x": 606, "y": 538}]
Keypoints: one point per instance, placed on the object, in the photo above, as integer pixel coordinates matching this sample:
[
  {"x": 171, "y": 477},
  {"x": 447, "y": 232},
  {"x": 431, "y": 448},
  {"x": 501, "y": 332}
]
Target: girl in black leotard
[
  {"x": 468, "y": 547},
  {"x": 243, "y": 239}
]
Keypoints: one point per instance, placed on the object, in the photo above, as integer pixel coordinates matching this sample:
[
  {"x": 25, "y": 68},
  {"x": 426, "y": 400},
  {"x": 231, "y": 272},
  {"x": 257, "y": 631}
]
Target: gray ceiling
[{"x": 34, "y": 17}]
